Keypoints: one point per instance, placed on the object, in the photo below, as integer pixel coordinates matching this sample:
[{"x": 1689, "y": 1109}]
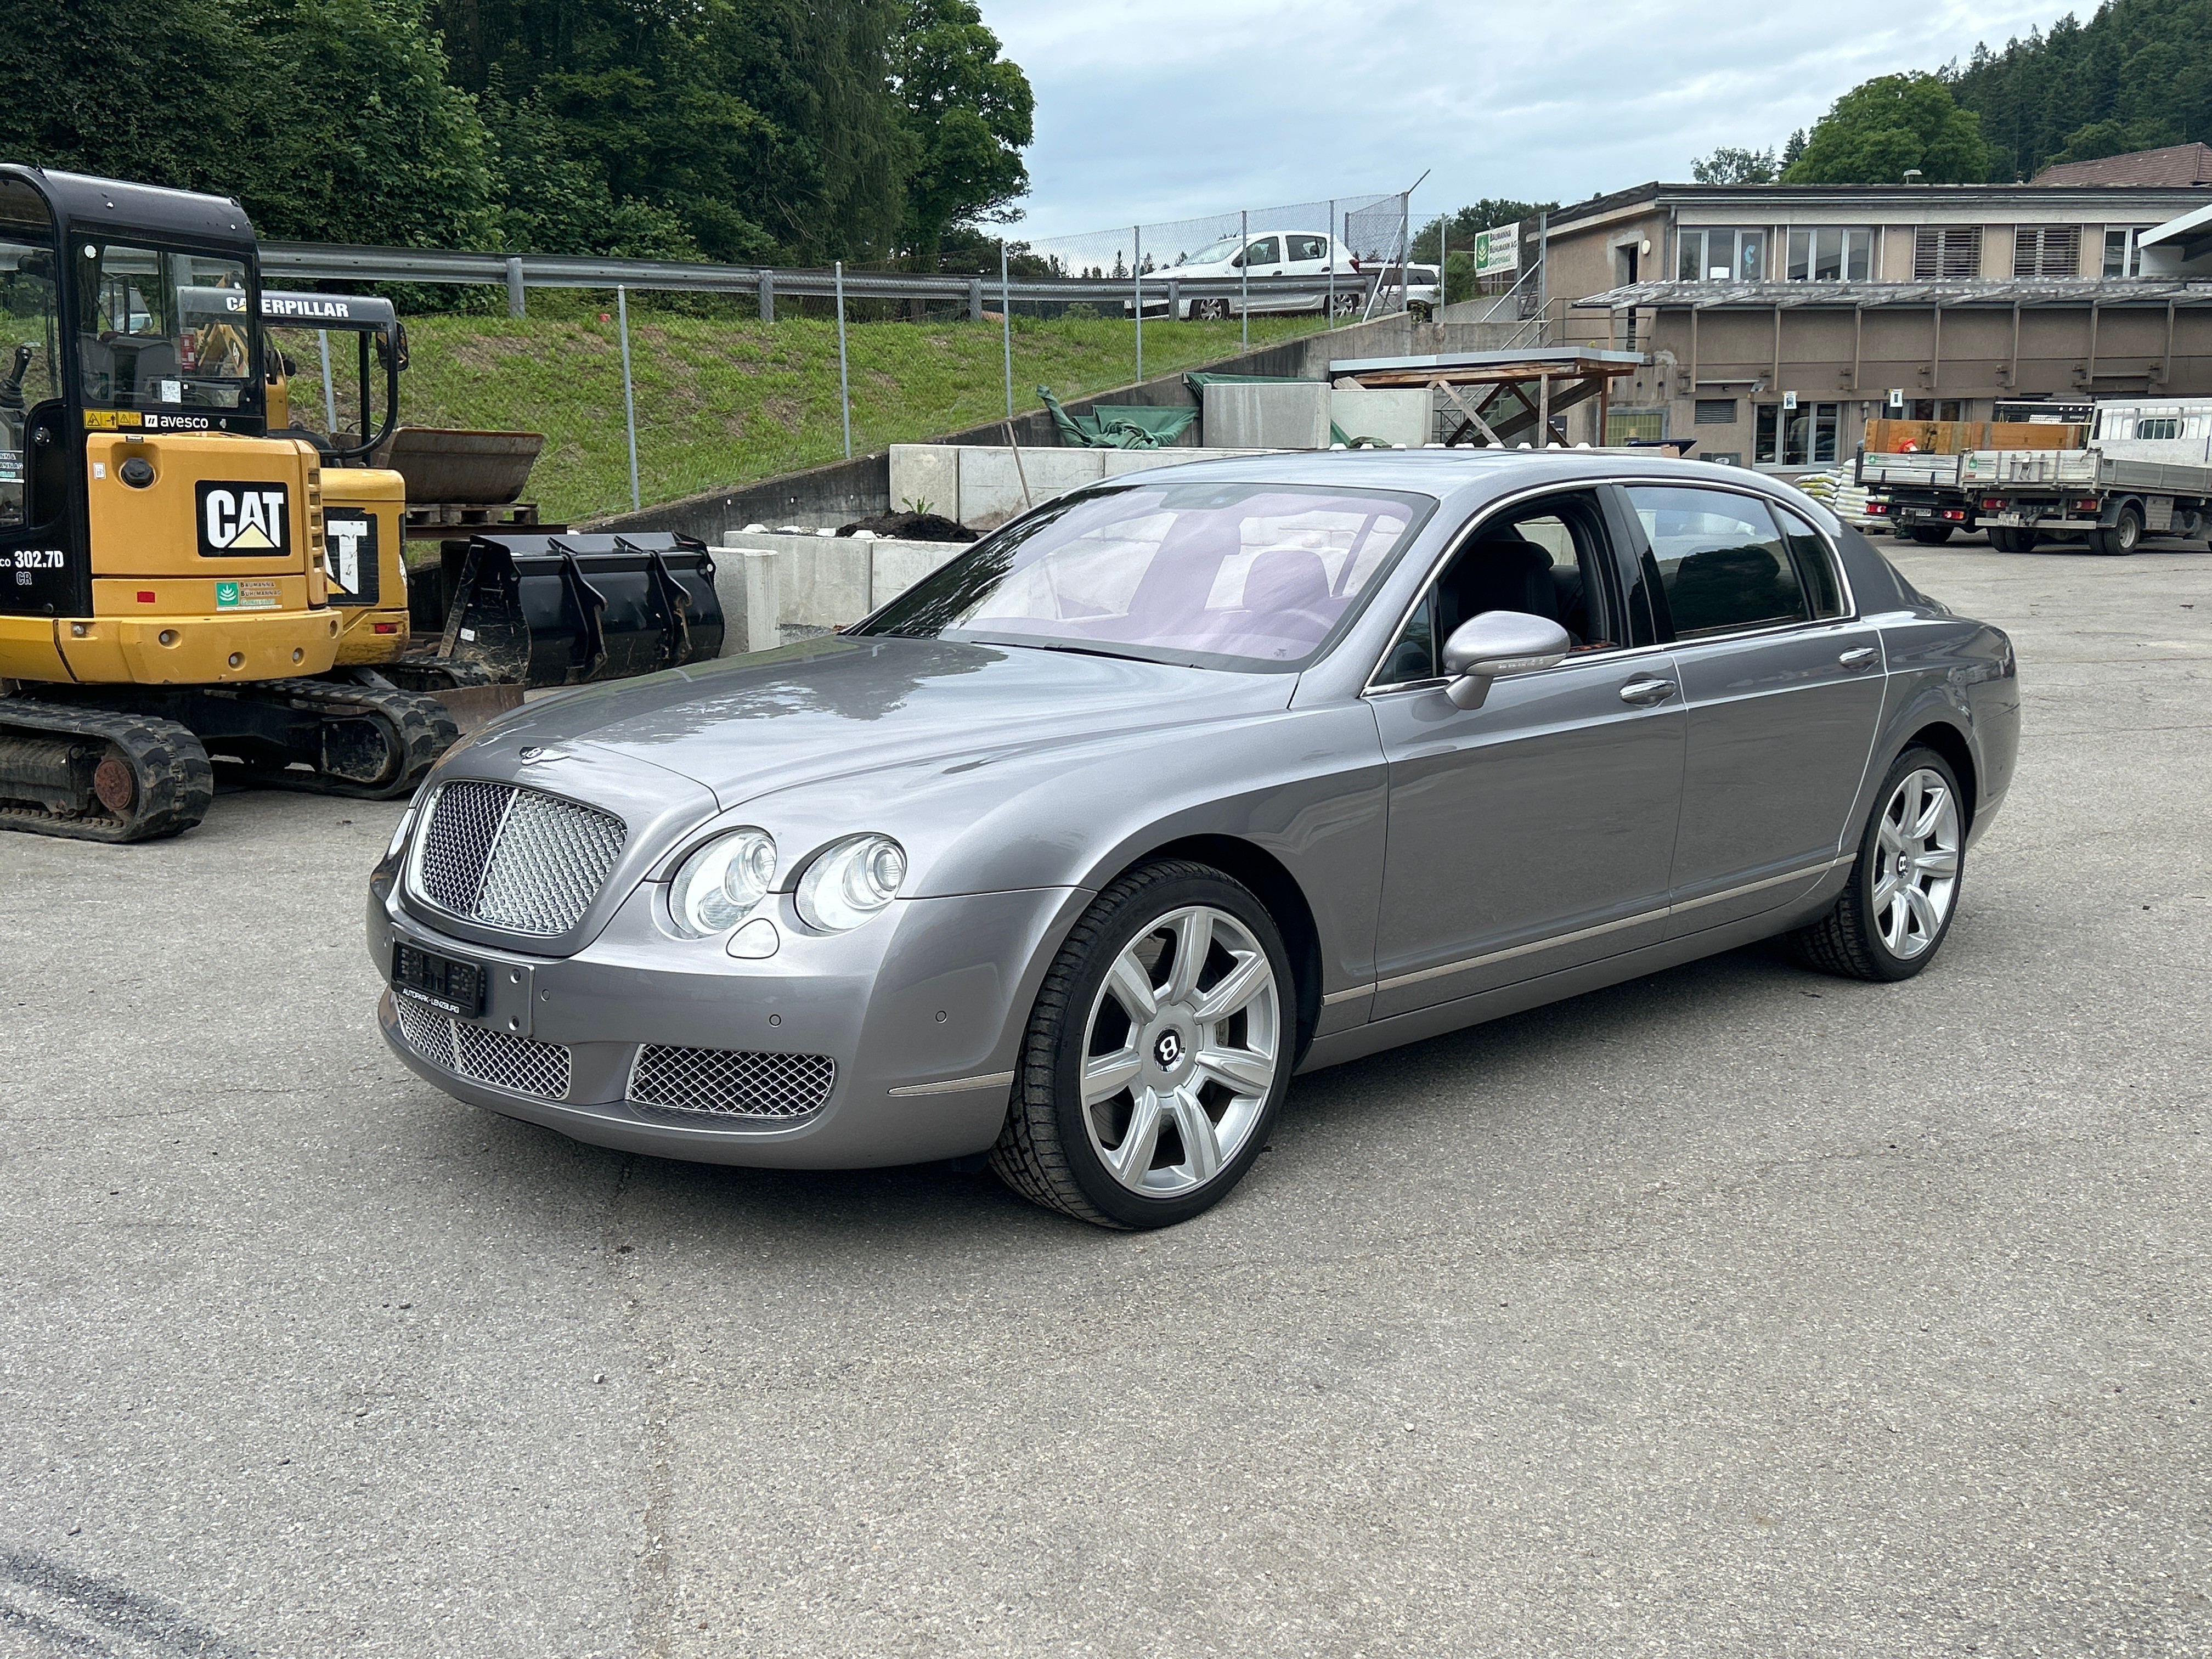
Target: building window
[
  {"x": 2123, "y": 258},
  {"x": 1803, "y": 436},
  {"x": 1621, "y": 425},
  {"x": 1720, "y": 256},
  {"x": 1935, "y": 408},
  {"x": 1716, "y": 411},
  {"x": 1830, "y": 253},
  {"x": 2046, "y": 250},
  {"x": 2167, "y": 428},
  {"x": 1940, "y": 252}
]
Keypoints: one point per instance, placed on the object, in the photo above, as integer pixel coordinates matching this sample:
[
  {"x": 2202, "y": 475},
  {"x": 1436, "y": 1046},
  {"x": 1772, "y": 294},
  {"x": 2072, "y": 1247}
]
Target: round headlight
[
  {"x": 719, "y": 884},
  {"x": 851, "y": 882}
]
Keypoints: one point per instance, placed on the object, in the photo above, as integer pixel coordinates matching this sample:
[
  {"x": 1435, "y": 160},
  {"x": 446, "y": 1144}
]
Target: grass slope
[{"x": 722, "y": 402}]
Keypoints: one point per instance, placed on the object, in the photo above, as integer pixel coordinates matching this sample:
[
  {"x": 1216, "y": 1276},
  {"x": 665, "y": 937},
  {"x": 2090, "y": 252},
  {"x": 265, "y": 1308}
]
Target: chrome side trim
[
  {"x": 1335, "y": 997},
  {"x": 959, "y": 1085},
  {"x": 1555, "y": 940},
  {"x": 1519, "y": 950}
]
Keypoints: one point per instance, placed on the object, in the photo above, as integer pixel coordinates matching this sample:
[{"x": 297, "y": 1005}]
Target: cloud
[{"x": 1154, "y": 110}]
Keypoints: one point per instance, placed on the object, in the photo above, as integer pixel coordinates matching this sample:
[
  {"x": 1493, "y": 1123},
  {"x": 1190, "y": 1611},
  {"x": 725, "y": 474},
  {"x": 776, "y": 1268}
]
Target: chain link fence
[{"x": 647, "y": 395}]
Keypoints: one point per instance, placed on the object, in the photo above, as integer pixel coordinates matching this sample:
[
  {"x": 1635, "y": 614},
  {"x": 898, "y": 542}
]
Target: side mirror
[{"x": 1498, "y": 643}]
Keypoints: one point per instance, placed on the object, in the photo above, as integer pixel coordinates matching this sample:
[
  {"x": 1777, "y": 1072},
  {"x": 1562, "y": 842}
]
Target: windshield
[
  {"x": 162, "y": 329},
  {"x": 1240, "y": 576},
  {"x": 1211, "y": 254}
]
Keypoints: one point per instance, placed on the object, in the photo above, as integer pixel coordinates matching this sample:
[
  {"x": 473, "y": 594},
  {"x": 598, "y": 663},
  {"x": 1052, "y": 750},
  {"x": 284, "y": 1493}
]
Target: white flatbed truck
[{"x": 2147, "y": 471}]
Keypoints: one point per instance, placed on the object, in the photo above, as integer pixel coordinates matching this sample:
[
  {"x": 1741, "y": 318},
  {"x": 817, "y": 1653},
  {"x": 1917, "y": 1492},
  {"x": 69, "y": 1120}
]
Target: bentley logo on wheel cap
[{"x": 1168, "y": 1050}]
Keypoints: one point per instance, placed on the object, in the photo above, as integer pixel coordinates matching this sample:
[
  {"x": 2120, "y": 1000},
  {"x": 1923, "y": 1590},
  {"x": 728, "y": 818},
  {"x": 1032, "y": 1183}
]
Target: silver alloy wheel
[
  {"x": 1180, "y": 1051},
  {"x": 1917, "y": 871}
]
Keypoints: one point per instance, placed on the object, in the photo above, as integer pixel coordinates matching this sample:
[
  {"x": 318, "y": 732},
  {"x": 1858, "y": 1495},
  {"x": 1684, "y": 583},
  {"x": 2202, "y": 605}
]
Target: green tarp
[
  {"x": 1118, "y": 425},
  {"x": 1197, "y": 382}
]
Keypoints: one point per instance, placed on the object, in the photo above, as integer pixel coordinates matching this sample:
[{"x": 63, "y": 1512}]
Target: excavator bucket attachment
[{"x": 543, "y": 610}]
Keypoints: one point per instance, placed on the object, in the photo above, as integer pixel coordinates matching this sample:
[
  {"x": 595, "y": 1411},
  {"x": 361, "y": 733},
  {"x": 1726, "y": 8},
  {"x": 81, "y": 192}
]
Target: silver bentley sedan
[{"x": 1072, "y": 854}]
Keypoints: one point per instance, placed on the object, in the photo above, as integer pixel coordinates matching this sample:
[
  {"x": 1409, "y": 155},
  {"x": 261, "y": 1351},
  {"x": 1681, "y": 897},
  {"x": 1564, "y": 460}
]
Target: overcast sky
[{"x": 1168, "y": 109}]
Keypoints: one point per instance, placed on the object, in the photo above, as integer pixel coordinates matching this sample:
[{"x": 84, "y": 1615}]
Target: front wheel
[
  {"x": 1896, "y": 910},
  {"x": 1157, "y": 1056},
  {"x": 1209, "y": 310}
]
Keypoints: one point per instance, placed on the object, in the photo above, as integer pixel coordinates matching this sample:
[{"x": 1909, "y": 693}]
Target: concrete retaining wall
[{"x": 770, "y": 583}]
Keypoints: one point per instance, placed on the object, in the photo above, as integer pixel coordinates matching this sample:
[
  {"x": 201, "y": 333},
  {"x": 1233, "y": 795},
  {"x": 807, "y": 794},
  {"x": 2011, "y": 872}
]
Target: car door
[
  {"x": 1782, "y": 692},
  {"x": 1535, "y": 833},
  {"x": 1305, "y": 269},
  {"x": 1263, "y": 272}
]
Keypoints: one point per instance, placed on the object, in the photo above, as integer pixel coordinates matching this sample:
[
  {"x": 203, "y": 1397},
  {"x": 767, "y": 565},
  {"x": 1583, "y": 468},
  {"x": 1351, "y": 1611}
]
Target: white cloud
[{"x": 1167, "y": 109}]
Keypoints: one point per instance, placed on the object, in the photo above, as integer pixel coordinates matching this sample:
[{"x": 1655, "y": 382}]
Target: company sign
[{"x": 1497, "y": 249}]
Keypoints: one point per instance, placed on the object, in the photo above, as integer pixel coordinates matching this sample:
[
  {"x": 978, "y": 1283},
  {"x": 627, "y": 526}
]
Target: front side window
[
  {"x": 29, "y": 335},
  {"x": 1546, "y": 558},
  {"x": 1265, "y": 252},
  {"x": 157, "y": 329},
  {"x": 1830, "y": 253},
  {"x": 1238, "y": 576},
  {"x": 1723, "y": 566},
  {"x": 1803, "y": 436}
]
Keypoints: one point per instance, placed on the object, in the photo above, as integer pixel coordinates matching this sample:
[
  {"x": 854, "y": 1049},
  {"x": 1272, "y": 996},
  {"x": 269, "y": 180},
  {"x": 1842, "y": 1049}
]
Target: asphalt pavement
[{"x": 1737, "y": 1310}]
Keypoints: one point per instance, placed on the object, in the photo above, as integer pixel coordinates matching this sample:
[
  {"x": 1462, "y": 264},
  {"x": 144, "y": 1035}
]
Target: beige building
[{"x": 1774, "y": 319}]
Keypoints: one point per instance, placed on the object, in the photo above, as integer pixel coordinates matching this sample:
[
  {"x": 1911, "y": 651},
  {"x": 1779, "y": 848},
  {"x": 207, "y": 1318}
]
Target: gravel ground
[{"x": 1734, "y": 1310}]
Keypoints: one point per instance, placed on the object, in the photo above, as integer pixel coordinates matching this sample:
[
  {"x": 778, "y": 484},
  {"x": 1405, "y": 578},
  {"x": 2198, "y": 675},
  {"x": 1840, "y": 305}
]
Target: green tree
[
  {"x": 1729, "y": 166},
  {"x": 968, "y": 114},
  {"x": 353, "y": 134},
  {"x": 2098, "y": 139},
  {"x": 1878, "y": 131}
]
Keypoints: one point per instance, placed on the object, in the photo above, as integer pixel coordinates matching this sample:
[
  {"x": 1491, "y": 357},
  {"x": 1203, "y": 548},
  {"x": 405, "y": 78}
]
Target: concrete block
[
  {"x": 900, "y": 565},
  {"x": 925, "y": 473},
  {"x": 1293, "y": 417},
  {"x": 827, "y": 585},
  {"x": 763, "y": 609},
  {"x": 1391, "y": 417}
]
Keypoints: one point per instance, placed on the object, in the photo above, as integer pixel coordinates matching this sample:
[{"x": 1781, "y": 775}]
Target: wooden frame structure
[{"x": 1500, "y": 396}]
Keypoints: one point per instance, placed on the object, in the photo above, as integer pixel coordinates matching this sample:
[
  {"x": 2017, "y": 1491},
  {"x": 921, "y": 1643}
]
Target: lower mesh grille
[
  {"x": 731, "y": 1083},
  {"x": 504, "y": 1061}
]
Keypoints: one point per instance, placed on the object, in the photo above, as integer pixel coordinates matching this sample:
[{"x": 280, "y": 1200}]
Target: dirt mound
[{"x": 911, "y": 527}]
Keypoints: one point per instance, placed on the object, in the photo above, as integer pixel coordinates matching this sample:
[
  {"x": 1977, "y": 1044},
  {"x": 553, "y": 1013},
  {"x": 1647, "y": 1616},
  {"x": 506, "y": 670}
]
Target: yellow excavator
[
  {"x": 187, "y": 577},
  {"x": 163, "y": 592}
]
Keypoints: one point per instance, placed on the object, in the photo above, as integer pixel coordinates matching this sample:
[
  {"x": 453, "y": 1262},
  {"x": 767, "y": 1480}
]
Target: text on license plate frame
[{"x": 443, "y": 981}]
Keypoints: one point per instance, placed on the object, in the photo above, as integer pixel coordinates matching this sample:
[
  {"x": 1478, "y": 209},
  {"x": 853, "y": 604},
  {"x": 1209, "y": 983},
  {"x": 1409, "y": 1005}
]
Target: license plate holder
[{"x": 446, "y": 983}]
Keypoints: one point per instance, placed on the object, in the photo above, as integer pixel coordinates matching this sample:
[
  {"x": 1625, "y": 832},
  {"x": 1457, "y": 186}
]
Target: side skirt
[{"x": 1463, "y": 1011}]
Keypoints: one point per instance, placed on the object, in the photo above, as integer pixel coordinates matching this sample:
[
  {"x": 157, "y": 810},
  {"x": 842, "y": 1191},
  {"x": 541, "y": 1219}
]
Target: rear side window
[
  {"x": 1723, "y": 565},
  {"x": 1816, "y": 565},
  {"x": 1309, "y": 247}
]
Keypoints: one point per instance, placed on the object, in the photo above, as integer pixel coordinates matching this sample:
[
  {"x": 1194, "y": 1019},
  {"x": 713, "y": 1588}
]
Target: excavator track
[
  {"x": 99, "y": 774},
  {"x": 410, "y": 731}
]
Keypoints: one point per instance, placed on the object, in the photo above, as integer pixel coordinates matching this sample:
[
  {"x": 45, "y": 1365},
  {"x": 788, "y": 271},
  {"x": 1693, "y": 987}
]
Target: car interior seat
[
  {"x": 1497, "y": 575},
  {"x": 1290, "y": 579},
  {"x": 1726, "y": 586}
]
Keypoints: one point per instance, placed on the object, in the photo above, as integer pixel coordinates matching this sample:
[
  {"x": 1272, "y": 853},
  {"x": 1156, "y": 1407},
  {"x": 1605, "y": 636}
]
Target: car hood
[{"x": 745, "y": 726}]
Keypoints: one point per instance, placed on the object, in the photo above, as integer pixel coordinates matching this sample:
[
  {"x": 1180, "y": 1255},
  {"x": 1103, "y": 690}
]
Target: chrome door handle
[
  {"x": 1647, "y": 691},
  {"x": 1865, "y": 656}
]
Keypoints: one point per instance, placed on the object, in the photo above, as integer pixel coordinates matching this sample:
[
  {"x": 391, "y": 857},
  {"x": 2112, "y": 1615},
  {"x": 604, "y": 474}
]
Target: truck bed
[
  {"x": 1911, "y": 472},
  {"x": 2078, "y": 469}
]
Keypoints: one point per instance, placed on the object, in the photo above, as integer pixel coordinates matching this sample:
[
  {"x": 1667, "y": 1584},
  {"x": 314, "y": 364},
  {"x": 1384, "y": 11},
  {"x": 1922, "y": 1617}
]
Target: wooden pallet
[{"x": 444, "y": 518}]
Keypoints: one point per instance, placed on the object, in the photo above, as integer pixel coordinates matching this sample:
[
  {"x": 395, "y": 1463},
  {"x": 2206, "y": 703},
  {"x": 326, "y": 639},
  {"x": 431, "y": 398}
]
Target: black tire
[
  {"x": 1930, "y": 535},
  {"x": 1045, "y": 1152},
  {"x": 1846, "y": 941},
  {"x": 2122, "y": 537},
  {"x": 1209, "y": 310},
  {"x": 2004, "y": 539}
]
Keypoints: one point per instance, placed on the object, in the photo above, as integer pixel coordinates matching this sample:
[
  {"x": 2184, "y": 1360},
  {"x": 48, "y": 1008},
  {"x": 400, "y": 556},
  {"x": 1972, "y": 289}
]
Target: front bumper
[{"x": 921, "y": 1010}]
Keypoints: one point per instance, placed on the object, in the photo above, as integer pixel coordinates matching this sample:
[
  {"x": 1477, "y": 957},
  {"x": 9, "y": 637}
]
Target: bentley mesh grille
[
  {"x": 498, "y": 1058},
  {"x": 731, "y": 1083},
  {"x": 515, "y": 859}
]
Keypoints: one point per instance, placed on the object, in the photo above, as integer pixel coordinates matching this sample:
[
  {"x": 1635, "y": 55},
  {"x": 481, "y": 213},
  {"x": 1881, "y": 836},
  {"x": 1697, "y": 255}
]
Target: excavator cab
[{"x": 163, "y": 592}]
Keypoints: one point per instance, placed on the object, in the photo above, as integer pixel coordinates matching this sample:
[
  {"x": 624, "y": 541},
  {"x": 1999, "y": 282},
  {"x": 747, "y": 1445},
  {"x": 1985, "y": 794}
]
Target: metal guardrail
[{"x": 315, "y": 262}]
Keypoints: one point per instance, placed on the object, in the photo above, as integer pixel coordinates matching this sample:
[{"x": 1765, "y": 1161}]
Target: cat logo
[{"x": 242, "y": 520}]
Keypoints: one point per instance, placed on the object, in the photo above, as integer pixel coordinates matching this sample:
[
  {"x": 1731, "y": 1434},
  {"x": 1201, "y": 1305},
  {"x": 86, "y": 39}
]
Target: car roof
[{"x": 1437, "y": 470}]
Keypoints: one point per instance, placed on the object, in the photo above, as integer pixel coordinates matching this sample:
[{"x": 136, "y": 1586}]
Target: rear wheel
[
  {"x": 1932, "y": 535},
  {"x": 2122, "y": 536},
  {"x": 1896, "y": 910},
  {"x": 1157, "y": 1055}
]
